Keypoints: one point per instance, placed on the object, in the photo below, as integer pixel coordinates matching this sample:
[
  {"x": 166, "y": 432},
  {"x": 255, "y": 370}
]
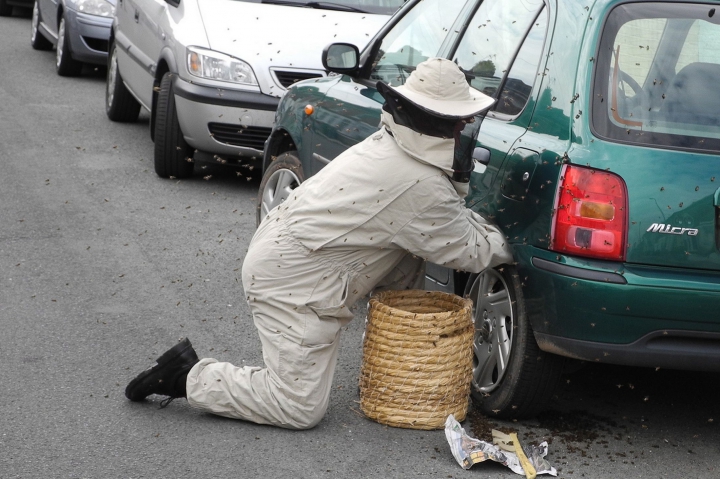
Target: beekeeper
[{"x": 369, "y": 220}]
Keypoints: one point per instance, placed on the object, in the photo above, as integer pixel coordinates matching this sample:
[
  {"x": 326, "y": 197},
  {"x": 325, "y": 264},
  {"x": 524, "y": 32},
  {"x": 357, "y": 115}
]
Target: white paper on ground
[{"x": 469, "y": 451}]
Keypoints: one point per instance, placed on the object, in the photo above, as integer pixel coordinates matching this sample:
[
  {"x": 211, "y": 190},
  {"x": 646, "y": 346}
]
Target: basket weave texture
[{"x": 417, "y": 358}]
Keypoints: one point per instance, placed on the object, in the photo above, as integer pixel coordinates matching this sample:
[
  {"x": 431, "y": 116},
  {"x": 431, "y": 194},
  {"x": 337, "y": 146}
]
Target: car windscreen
[
  {"x": 413, "y": 39},
  {"x": 656, "y": 76},
  {"x": 382, "y": 7}
]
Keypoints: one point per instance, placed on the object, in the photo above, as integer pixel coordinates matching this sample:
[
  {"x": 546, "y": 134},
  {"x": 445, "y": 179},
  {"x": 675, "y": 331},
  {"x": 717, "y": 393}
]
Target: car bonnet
[{"x": 271, "y": 36}]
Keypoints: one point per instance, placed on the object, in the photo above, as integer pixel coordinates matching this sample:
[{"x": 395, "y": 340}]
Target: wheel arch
[
  {"x": 530, "y": 375},
  {"x": 280, "y": 141},
  {"x": 460, "y": 281},
  {"x": 58, "y": 14}
]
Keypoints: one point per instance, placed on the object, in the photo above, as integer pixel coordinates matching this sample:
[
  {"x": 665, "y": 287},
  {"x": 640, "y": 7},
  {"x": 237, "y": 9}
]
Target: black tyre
[
  {"x": 120, "y": 105},
  {"x": 280, "y": 179},
  {"x": 512, "y": 377},
  {"x": 5, "y": 9},
  {"x": 65, "y": 64},
  {"x": 37, "y": 40},
  {"x": 173, "y": 156}
]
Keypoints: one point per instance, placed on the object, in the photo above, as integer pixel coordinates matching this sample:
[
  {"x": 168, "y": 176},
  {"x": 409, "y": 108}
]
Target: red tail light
[{"x": 590, "y": 214}]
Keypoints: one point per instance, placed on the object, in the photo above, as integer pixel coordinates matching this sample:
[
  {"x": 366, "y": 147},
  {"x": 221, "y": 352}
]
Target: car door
[
  {"x": 151, "y": 18},
  {"x": 500, "y": 52},
  {"x": 140, "y": 39},
  {"x": 134, "y": 71},
  {"x": 350, "y": 111},
  {"x": 48, "y": 15}
]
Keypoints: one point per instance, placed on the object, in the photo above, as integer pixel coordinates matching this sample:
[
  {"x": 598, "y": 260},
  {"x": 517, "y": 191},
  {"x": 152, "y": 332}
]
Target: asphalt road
[{"x": 103, "y": 266}]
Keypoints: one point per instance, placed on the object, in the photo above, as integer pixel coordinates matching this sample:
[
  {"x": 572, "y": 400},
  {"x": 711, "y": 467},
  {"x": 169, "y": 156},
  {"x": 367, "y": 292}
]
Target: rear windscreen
[{"x": 657, "y": 77}]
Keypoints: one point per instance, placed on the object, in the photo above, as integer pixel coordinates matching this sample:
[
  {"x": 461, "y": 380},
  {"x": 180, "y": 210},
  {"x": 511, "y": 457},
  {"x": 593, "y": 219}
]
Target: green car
[{"x": 599, "y": 161}]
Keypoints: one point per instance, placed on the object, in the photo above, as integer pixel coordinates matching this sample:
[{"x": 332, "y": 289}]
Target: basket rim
[{"x": 460, "y": 302}]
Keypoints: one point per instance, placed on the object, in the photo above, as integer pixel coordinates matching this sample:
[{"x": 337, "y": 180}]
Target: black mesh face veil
[
  {"x": 465, "y": 142},
  {"x": 464, "y": 131},
  {"x": 410, "y": 115}
]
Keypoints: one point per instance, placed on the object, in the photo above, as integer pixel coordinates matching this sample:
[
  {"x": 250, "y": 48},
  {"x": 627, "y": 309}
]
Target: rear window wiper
[{"x": 318, "y": 5}]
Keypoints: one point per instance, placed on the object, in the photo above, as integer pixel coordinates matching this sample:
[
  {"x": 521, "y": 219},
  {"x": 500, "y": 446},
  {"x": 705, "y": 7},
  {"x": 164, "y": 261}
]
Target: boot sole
[{"x": 141, "y": 387}]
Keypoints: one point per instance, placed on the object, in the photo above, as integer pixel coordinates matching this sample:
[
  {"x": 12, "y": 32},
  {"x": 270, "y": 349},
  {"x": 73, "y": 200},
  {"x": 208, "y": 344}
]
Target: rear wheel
[
  {"x": 65, "y": 64},
  {"x": 512, "y": 377},
  {"x": 37, "y": 40},
  {"x": 172, "y": 153},
  {"x": 281, "y": 178},
  {"x": 120, "y": 105}
]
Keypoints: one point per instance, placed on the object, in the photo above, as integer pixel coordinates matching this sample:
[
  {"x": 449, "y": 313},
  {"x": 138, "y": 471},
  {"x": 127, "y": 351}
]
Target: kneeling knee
[{"x": 308, "y": 418}]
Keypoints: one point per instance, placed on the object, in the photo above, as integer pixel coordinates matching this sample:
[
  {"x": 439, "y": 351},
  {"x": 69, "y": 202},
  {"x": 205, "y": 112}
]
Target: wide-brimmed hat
[{"x": 439, "y": 86}]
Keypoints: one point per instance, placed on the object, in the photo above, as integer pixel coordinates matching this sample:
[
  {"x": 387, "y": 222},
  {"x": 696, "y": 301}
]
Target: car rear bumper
[
  {"x": 89, "y": 36},
  {"x": 620, "y": 313},
  {"x": 224, "y": 122},
  {"x": 689, "y": 350}
]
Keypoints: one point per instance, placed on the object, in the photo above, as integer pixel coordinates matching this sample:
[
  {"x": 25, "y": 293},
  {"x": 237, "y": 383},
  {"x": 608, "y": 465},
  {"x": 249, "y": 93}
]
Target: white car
[{"x": 211, "y": 72}]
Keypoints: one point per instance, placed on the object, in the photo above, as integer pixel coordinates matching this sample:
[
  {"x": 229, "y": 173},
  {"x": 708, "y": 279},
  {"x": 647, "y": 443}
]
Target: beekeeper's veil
[{"x": 433, "y": 101}]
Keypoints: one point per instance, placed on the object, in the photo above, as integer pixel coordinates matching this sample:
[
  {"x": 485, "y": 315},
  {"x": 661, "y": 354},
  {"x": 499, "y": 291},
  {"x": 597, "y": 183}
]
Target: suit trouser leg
[
  {"x": 292, "y": 391},
  {"x": 299, "y": 348}
]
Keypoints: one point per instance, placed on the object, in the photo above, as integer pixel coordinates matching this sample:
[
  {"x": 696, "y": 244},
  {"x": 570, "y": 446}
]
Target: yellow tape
[{"x": 511, "y": 443}]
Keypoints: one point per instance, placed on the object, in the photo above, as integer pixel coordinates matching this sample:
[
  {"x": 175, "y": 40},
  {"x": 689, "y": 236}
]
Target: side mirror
[{"x": 340, "y": 57}]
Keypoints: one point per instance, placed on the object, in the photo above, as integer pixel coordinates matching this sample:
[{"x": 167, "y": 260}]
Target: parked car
[
  {"x": 211, "y": 72},
  {"x": 599, "y": 161},
  {"x": 79, "y": 30},
  {"x": 6, "y": 6}
]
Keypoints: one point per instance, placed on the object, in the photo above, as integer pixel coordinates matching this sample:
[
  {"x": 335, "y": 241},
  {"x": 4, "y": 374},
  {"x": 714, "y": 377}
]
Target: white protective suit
[{"x": 367, "y": 220}]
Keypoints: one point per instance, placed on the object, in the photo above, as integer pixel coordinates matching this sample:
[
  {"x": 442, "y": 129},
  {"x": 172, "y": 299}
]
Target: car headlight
[
  {"x": 218, "y": 66},
  {"x": 101, "y": 8}
]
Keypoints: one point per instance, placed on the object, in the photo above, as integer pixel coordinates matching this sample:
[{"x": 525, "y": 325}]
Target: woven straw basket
[{"x": 417, "y": 358}]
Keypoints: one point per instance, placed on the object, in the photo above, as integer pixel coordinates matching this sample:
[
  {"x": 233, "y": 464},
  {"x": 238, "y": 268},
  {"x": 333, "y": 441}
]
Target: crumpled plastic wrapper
[{"x": 469, "y": 451}]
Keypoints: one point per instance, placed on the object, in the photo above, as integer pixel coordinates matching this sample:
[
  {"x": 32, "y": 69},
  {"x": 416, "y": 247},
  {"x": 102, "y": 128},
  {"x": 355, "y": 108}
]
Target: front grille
[
  {"x": 96, "y": 44},
  {"x": 287, "y": 77},
  {"x": 239, "y": 135}
]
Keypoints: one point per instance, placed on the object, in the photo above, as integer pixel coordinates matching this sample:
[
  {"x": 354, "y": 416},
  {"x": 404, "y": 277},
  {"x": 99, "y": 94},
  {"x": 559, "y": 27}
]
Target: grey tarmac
[{"x": 103, "y": 266}]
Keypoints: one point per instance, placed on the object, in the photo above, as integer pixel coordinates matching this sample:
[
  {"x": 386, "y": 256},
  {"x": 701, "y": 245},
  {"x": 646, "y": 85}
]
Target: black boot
[{"x": 167, "y": 377}]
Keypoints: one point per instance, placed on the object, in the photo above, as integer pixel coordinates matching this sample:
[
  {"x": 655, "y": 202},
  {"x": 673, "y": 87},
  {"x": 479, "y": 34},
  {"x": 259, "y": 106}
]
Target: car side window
[
  {"x": 415, "y": 38},
  {"x": 524, "y": 70},
  {"x": 492, "y": 39}
]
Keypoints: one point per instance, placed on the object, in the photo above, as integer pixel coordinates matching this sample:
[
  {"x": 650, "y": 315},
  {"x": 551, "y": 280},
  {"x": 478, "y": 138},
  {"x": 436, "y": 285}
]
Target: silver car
[
  {"x": 79, "y": 29},
  {"x": 211, "y": 72}
]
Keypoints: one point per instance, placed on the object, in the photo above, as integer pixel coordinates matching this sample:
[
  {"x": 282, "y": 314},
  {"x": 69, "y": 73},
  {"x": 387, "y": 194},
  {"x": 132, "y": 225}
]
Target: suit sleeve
[{"x": 447, "y": 233}]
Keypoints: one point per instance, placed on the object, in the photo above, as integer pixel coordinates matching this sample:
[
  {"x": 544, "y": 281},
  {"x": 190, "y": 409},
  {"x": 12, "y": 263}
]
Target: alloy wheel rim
[
  {"x": 494, "y": 328},
  {"x": 60, "y": 43},
  {"x": 278, "y": 189},
  {"x": 112, "y": 73}
]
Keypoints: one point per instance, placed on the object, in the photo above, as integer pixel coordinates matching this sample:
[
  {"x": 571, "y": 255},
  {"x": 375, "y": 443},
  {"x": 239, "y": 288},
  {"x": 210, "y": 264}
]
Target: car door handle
[{"x": 481, "y": 155}]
